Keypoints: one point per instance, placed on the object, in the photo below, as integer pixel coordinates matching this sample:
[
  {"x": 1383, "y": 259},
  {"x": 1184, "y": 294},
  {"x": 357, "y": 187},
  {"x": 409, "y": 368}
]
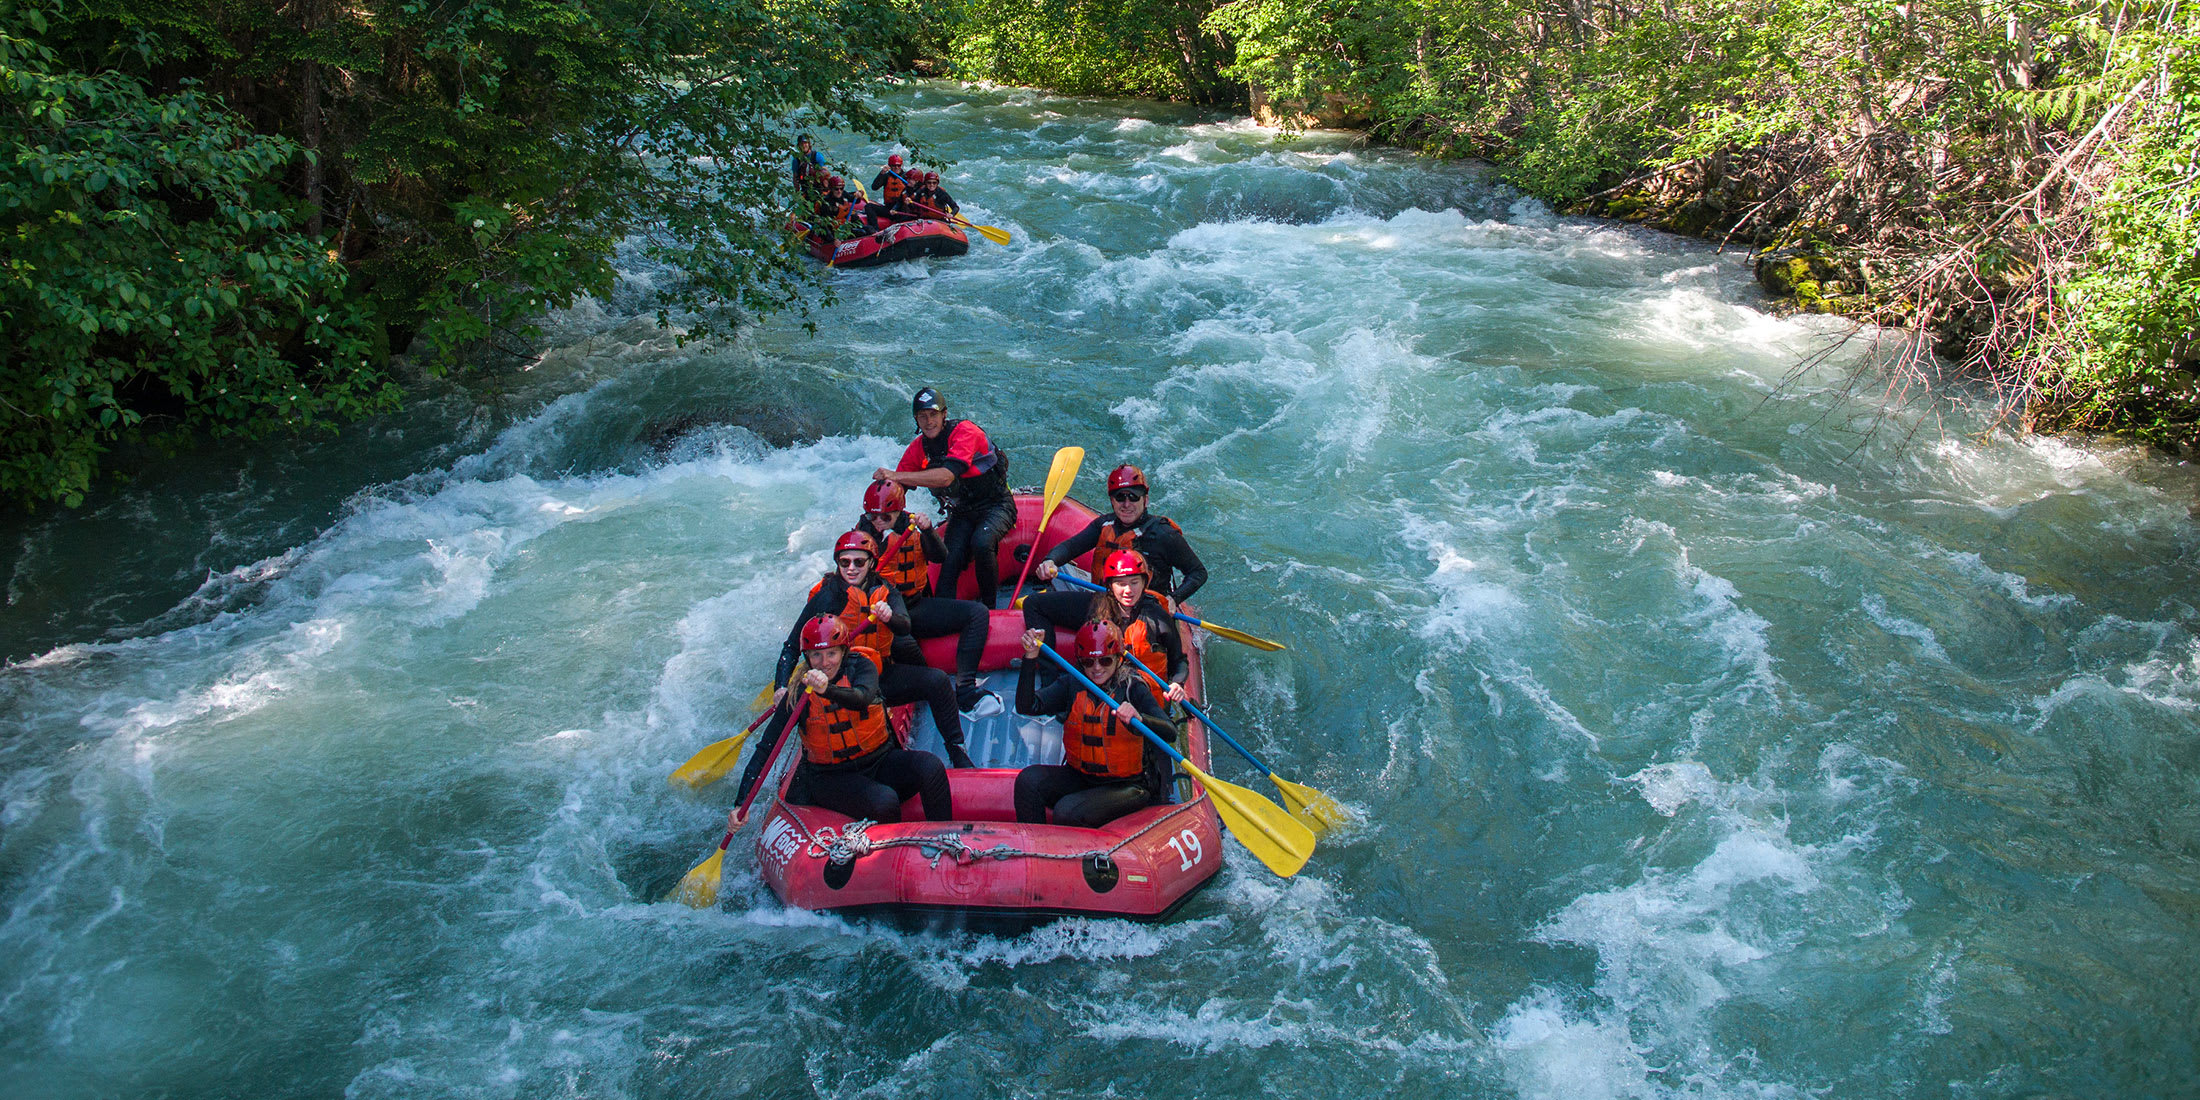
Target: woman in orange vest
[
  {"x": 850, "y": 762},
  {"x": 908, "y": 547},
  {"x": 1128, "y": 526},
  {"x": 877, "y": 618},
  {"x": 1108, "y": 768},
  {"x": 1148, "y": 629}
]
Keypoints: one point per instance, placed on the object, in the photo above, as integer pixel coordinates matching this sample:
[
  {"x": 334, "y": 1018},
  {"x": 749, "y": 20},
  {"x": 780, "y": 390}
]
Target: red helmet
[
  {"x": 883, "y": 496},
  {"x": 1096, "y": 639},
  {"x": 931, "y": 177},
  {"x": 893, "y": 160},
  {"x": 856, "y": 540},
  {"x": 835, "y": 183},
  {"x": 824, "y": 632},
  {"x": 1127, "y": 476},
  {"x": 1123, "y": 563}
]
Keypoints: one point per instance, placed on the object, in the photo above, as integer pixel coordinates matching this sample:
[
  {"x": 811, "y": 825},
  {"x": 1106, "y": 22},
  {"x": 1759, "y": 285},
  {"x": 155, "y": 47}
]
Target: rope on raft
[{"x": 853, "y": 840}]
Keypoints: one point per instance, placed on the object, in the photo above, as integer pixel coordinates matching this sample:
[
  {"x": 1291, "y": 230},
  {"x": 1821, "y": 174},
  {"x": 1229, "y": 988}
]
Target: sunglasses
[
  {"x": 881, "y": 517},
  {"x": 1127, "y": 496},
  {"x": 853, "y": 562},
  {"x": 1099, "y": 662}
]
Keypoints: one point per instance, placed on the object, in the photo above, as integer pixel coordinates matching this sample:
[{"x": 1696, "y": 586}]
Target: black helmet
[
  {"x": 802, "y": 138},
  {"x": 927, "y": 398}
]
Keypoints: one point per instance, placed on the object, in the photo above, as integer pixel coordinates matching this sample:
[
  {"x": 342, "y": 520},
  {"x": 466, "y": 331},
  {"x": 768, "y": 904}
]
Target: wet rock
[
  {"x": 1816, "y": 281},
  {"x": 779, "y": 427}
]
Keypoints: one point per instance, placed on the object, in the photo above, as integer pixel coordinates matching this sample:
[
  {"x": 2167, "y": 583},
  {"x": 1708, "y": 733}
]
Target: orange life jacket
[
  {"x": 1138, "y": 642},
  {"x": 833, "y": 734},
  {"x": 863, "y": 630},
  {"x": 902, "y": 564},
  {"x": 1113, "y": 537},
  {"x": 892, "y": 188},
  {"x": 1098, "y": 744}
]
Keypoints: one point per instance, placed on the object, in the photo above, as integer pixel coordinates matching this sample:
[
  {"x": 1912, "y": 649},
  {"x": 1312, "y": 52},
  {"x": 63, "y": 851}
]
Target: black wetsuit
[
  {"x": 1078, "y": 799},
  {"x": 905, "y": 679},
  {"x": 934, "y": 197},
  {"x": 868, "y": 788},
  {"x": 1070, "y": 610},
  {"x": 1159, "y": 540},
  {"x": 933, "y": 616},
  {"x": 980, "y": 507}
]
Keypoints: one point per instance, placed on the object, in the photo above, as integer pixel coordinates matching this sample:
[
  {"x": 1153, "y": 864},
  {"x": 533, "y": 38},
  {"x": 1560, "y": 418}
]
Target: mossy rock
[
  {"x": 1818, "y": 283},
  {"x": 1629, "y": 207}
]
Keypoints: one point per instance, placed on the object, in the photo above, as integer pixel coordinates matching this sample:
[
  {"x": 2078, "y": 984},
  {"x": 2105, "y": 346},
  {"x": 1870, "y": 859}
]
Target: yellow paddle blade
[
  {"x": 763, "y": 697},
  {"x": 1060, "y": 477},
  {"x": 1273, "y": 836},
  {"x": 1239, "y": 636},
  {"x": 991, "y": 232},
  {"x": 699, "y": 890},
  {"x": 712, "y": 763},
  {"x": 1320, "y": 812}
]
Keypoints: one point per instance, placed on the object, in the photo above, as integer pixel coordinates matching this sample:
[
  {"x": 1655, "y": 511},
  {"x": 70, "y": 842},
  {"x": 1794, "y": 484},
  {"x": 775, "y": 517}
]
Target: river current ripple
[{"x": 1709, "y": 736}]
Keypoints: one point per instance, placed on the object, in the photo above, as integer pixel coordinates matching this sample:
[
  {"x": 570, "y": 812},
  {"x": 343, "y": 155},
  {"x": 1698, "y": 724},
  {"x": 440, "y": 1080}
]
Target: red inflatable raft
[
  {"x": 902, "y": 241},
  {"x": 983, "y": 869}
]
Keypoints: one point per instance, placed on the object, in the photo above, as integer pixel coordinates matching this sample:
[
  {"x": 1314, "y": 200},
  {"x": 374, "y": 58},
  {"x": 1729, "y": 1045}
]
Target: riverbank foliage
[
  {"x": 223, "y": 217},
  {"x": 2014, "y": 180},
  {"x": 1156, "y": 49}
]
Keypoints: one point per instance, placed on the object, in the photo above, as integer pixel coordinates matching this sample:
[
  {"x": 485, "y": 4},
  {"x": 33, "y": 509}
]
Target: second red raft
[{"x": 902, "y": 241}]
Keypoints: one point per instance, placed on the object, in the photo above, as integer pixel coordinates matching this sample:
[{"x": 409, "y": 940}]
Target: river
[{"x": 1709, "y": 734}]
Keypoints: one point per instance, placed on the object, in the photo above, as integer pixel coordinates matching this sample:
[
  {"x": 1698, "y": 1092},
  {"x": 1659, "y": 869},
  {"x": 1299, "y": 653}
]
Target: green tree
[
  {"x": 336, "y": 182},
  {"x": 1153, "y": 48},
  {"x": 154, "y": 273}
]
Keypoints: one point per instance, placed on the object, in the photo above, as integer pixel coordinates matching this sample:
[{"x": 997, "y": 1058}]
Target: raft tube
[
  {"x": 983, "y": 869},
  {"x": 903, "y": 241}
]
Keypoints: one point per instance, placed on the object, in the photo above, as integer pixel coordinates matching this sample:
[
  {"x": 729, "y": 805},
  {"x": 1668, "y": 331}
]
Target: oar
[
  {"x": 1237, "y": 636},
  {"x": 1272, "y": 835},
  {"x": 698, "y": 888},
  {"x": 1059, "y": 477},
  {"x": 717, "y": 758},
  {"x": 1320, "y": 812},
  {"x": 992, "y": 233}
]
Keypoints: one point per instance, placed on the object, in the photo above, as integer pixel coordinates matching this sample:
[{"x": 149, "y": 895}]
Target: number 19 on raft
[{"x": 1187, "y": 848}]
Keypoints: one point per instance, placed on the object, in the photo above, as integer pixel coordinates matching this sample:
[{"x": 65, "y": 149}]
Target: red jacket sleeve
[
  {"x": 913, "y": 458},
  {"x": 967, "y": 443}
]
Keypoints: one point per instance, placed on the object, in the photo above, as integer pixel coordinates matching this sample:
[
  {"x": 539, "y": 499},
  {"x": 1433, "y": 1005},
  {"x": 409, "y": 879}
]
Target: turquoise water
[{"x": 1705, "y": 738}]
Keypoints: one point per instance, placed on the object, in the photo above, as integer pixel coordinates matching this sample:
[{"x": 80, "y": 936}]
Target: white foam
[
  {"x": 1670, "y": 786},
  {"x": 1928, "y": 642}
]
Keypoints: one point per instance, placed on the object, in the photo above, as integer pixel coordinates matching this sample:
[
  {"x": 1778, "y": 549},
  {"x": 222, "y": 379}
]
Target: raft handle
[{"x": 1100, "y": 873}]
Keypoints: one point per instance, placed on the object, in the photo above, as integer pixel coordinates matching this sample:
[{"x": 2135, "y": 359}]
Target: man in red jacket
[{"x": 969, "y": 477}]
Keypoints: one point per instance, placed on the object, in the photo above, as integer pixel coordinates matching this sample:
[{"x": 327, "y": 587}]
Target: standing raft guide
[{"x": 1058, "y": 764}]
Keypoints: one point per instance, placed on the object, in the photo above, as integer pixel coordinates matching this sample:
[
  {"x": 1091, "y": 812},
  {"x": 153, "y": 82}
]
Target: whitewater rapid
[{"x": 1709, "y": 734}]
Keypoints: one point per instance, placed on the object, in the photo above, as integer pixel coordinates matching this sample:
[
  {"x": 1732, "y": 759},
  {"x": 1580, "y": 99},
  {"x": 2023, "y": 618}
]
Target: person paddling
[
  {"x": 893, "y": 173},
  {"x": 1147, "y": 628},
  {"x": 929, "y": 194},
  {"x": 850, "y": 763},
  {"x": 907, "y": 547},
  {"x": 877, "y": 619},
  {"x": 1129, "y": 526},
  {"x": 969, "y": 477},
  {"x": 1108, "y": 768}
]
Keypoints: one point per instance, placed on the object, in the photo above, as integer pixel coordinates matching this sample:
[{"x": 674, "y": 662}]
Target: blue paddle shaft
[
  {"x": 1200, "y": 714},
  {"x": 1112, "y": 704}
]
